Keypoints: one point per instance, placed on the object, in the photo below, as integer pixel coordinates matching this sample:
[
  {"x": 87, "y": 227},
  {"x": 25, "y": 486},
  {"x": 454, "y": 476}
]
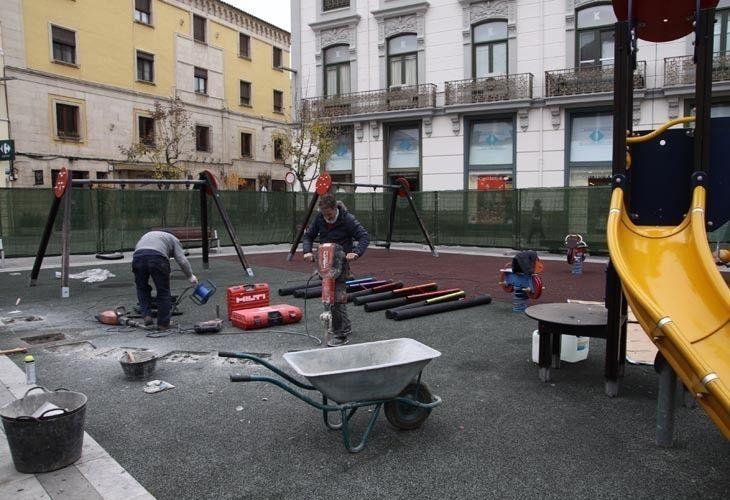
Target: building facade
[
  {"x": 477, "y": 95},
  {"x": 83, "y": 76}
]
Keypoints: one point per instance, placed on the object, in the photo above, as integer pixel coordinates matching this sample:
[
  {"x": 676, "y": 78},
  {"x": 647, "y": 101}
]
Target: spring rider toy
[
  {"x": 521, "y": 279},
  {"x": 577, "y": 252}
]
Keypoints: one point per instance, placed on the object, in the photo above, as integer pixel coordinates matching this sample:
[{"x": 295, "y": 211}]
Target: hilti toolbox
[
  {"x": 262, "y": 317},
  {"x": 247, "y": 296}
]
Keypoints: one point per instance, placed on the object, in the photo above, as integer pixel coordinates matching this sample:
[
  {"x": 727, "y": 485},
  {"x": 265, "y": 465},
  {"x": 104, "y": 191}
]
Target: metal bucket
[
  {"x": 141, "y": 366},
  {"x": 45, "y": 440}
]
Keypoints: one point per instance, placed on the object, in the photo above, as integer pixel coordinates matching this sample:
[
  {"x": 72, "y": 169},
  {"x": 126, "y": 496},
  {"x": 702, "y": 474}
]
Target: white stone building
[{"x": 464, "y": 94}]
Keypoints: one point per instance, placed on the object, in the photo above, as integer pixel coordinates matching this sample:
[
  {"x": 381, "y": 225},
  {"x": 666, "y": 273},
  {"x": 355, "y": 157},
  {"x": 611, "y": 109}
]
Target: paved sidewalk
[{"x": 95, "y": 476}]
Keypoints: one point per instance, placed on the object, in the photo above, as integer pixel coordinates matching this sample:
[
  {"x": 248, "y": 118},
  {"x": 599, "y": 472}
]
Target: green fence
[{"x": 106, "y": 220}]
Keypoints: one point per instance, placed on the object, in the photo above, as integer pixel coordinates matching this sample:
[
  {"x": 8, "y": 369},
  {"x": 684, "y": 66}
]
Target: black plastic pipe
[
  {"x": 401, "y": 292},
  {"x": 399, "y": 301},
  {"x": 380, "y": 288},
  {"x": 440, "y": 308},
  {"x": 308, "y": 293},
  {"x": 436, "y": 300},
  {"x": 291, "y": 289}
]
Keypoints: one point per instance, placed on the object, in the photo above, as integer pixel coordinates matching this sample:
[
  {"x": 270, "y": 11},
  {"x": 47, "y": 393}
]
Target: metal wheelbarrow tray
[{"x": 386, "y": 372}]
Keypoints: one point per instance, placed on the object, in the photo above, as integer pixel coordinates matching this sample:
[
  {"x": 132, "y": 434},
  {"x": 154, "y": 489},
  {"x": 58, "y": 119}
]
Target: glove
[
  {"x": 351, "y": 256},
  {"x": 308, "y": 257},
  {"x": 193, "y": 279}
]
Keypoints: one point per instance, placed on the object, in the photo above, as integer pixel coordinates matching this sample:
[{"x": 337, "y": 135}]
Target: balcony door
[
  {"x": 402, "y": 61},
  {"x": 337, "y": 70},
  {"x": 489, "y": 42},
  {"x": 595, "y": 36}
]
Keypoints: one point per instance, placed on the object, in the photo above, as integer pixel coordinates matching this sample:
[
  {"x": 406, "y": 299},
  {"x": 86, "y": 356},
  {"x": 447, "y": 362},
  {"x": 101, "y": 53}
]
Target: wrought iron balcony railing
[
  {"x": 681, "y": 70},
  {"x": 334, "y": 4},
  {"x": 497, "y": 88},
  {"x": 588, "y": 80},
  {"x": 372, "y": 101}
]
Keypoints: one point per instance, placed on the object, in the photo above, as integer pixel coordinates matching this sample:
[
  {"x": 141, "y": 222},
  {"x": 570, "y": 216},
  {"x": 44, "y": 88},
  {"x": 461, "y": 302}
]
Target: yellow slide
[{"x": 680, "y": 299}]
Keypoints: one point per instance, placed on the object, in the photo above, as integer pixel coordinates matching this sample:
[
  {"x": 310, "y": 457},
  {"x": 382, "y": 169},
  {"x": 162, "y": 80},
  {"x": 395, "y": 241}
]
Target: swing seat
[{"x": 110, "y": 256}]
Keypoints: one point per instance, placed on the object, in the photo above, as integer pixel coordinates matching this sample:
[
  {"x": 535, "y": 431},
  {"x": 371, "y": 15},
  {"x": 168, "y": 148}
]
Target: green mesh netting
[{"x": 108, "y": 220}]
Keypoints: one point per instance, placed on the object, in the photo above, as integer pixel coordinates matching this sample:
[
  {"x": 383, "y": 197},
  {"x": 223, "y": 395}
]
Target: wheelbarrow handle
[{"x": 263, "y": 362}]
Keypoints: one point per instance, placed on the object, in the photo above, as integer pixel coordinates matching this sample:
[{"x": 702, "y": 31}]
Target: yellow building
[{"x": 85, "y": 76}]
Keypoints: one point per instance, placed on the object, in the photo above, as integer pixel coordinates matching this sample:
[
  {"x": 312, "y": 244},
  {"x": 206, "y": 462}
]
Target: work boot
[
  {"x": 337, "y": 341},
  {"x": 148, "y": 320}
]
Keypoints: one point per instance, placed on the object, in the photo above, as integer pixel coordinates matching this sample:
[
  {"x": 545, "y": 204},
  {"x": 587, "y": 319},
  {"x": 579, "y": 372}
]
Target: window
[
  {"x": 489, "y": 49},
  {"x": 246, "y": 184},
  {"x": 245, "y": 93},
  {"x": 342, "y": 157},
  {"x": 64, "y": 45},
  {"x": 202, "y": 138},
  {"x": 145, "y": 67},
  {"x": 37, "y": 177},
  {"x": 67, "y": 121},
  {"x": 278, "y": 150},
  {"x": 278, "y": 101},
  {"x": 594, "y": 36},
  {"x": 490, "y": 152},
  {"x": 146, "y": 130},
  {"x": 143, "y": 11},
  {"x": 244, "y": 45},
  {"x": 334, "y": 4},
  {"x": 246, "y": 148},
  {"x": 337, "y": 70},
  {"x": 201, "y": 81},
  {"x": 402, "y": 61},
  {"x": 277, "y": 57},
  {"x": 100, "y": 176},
  {"x": 722, "y": 29},
  {"x": 198, "y": 28},
  {"x": 591, "y": 148},
  {"x": 403, "y": 150}
]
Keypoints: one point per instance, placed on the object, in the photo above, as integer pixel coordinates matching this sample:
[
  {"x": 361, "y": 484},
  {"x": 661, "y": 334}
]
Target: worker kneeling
[
  {"x": 151, "y": 259},
  {"x": 335, "y": 227}
]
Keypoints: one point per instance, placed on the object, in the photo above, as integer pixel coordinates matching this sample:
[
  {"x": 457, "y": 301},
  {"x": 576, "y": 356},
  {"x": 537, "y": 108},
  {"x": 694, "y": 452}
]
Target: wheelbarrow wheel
[{"x": 405, "y": 416}]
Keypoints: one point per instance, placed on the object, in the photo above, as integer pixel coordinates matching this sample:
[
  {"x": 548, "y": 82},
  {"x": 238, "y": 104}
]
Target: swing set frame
[{"x": 206, "y": 184}]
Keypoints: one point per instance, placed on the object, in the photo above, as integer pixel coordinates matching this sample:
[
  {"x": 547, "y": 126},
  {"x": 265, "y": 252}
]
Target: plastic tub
[{"x": 141, "y": 364}]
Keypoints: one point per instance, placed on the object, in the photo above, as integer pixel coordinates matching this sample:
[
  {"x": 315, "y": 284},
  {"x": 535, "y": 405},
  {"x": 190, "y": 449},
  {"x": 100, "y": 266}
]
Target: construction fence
[{"x": 109, "y": 220}]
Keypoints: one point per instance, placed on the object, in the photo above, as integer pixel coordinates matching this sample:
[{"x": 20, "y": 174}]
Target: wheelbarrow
[{"x": 383, "y": 374}]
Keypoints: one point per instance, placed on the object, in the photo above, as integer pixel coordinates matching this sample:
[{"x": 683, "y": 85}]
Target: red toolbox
[
  {"x": 247, "y": 296},
  {"x": 262, "y": 317}
]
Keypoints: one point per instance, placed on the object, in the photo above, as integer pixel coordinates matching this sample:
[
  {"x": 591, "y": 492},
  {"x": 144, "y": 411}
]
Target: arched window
[
  {"x": 403, "y": 60},
  {"x": 489, "y": 46},
  {"x": 337, "y": 70},
  {"x": 595, "y": 35}
]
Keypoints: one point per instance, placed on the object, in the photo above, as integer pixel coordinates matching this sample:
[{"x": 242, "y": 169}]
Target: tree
[
  {"x": 168, "y": 142},
  {"x": 307, "y": 149}
]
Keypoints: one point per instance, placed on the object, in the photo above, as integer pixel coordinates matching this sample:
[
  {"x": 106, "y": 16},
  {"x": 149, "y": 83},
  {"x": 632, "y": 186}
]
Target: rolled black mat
[
  {"x": 385, "y": 304},
  {"x": 353, "y": 295},
  {"x": 439, "y": 308},
  {"x": 373, "y": 297},
  {"x": 289, "y": 290},
  {"x": 308, "y": 293},
  {"x": 436, "y": 300}
]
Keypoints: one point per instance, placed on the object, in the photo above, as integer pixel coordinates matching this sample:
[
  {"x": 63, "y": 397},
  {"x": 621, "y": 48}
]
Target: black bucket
[
  {"x": 140, "y": 365},
  {"x": 50, "y": 440}
]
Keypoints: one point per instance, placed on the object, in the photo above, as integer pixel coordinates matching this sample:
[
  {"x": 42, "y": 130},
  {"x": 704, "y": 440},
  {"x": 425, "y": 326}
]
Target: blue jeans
[{"x": 153, "y": 265}]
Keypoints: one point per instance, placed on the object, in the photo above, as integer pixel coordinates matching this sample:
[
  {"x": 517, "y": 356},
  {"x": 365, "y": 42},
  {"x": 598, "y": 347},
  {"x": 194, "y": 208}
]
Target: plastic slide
[{"x": 679, "y": 297}]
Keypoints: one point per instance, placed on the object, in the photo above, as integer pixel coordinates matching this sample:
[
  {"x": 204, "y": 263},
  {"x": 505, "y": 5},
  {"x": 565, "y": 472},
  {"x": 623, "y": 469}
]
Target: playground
[
  {"x": 506, "y": 411},
  {"x": 500, "y": 432}
]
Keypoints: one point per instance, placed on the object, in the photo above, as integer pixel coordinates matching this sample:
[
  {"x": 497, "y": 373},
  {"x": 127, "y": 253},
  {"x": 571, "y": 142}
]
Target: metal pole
[
  {"x": 66, "y": 240},
  {"x": 86, "y": 182},
  {"x": 226, "y": 221},
  {"x": 44, "y": 239},
  {"x": 204, "y": 226},
  {"x": 665, "y": 403},
  {"x": 420, "y": 224},
  {"x": 391, "y": 218},
  {"x": 360, "y": 184},
  {"x": 300, "y": 231}
]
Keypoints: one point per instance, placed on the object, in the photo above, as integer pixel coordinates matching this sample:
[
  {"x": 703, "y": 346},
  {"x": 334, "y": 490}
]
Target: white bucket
[{"x": 572, "y": 348}]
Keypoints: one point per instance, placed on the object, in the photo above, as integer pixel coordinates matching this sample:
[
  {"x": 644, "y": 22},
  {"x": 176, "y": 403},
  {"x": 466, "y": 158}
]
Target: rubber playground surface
[{"x": 500, "y": 432}]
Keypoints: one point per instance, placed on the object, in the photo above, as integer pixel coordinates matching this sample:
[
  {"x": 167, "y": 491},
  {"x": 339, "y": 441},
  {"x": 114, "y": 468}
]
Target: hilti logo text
[{"x": 251, "y": 298}]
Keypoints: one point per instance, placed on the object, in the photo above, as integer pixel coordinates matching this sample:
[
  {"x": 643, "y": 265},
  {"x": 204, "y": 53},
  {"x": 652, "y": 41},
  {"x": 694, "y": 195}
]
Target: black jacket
[{"x": 345, "y": 229}]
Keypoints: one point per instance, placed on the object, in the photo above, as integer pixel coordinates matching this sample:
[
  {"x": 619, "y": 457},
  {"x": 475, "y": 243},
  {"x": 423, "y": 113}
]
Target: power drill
[{"x": 210, "y": 326}]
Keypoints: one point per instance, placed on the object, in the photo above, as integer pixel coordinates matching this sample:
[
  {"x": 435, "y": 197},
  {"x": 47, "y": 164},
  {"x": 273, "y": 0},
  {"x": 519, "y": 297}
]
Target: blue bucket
[{"x": 203, "y": 292}]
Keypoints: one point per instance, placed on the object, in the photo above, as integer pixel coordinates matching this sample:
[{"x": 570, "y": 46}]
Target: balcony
[
  {"x": 373, "y": 101},
  {"x": 681, "y": 70},
  {"x": 588, "y": 80},
  {"x": 490, "y": 89}
]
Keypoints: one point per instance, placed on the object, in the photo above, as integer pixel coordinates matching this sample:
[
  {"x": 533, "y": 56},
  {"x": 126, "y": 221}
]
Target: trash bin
[{"x": 45, "y": 431}]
